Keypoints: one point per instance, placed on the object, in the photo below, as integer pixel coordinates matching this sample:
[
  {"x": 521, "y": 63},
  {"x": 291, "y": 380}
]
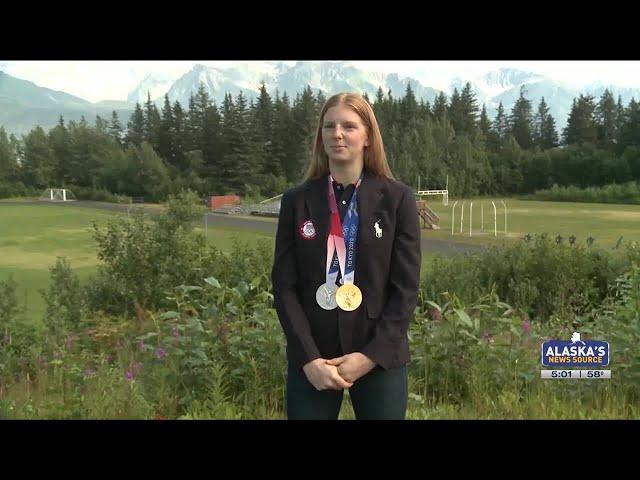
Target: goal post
[
  {"x": 443, "y": 191},
  {"x": 57, "y": 195}
]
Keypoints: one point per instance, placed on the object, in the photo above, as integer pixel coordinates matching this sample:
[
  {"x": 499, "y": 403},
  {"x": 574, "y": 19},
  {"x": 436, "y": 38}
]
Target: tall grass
[{"x": 628, "y": 193}]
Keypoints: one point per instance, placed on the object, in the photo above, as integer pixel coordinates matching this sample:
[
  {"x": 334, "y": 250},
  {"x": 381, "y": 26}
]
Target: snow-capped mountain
[
  {"x": 626, "y": 93},
  {"x": 328, "y": 77},
  {"x": 504, "y": 86},
  {"x": 155, "y": 84},
  {"x": 219, "y": 81},
  {"x": 23, "y": 104},
  {"x": 494, "y": 83},
  {"x": 556, "y": 95}
]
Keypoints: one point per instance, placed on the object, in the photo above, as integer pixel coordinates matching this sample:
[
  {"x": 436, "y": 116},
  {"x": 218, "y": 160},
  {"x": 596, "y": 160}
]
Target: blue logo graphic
[{"x": 575, "y": 353}]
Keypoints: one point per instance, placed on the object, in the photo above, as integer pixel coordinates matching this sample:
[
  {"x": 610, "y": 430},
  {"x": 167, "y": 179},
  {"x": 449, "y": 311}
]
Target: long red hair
[{"x": 375, "y": 159}]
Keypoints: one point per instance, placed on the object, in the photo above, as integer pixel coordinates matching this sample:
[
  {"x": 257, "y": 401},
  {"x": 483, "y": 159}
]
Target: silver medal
[{"x": 326, "y": 296}]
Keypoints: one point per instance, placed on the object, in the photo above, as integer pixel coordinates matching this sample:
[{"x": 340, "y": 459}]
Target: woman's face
[{"x": 344, "y": 136}]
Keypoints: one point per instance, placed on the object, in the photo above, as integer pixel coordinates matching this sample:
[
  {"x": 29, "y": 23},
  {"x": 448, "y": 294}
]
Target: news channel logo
[{"x": 591, "y": 355}]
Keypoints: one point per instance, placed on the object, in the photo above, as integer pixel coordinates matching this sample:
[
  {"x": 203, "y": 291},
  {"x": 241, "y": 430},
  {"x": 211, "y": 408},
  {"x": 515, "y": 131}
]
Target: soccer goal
[{"x": 58, "y": 195}]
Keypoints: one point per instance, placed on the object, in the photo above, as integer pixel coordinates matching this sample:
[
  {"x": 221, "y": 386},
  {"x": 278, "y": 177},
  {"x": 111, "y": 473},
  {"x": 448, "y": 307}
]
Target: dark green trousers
[{"x": 379, "y": 395}]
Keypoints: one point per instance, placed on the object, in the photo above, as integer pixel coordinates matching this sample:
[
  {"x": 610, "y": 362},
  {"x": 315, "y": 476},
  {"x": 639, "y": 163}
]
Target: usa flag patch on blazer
[{"x": 307, "y": 230}]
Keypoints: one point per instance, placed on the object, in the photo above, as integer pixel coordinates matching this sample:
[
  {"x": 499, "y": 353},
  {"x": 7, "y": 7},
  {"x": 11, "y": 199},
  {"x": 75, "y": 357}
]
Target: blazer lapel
[
  {"x": 316, "y": 201},
  {"x": 369, "y": 194}
]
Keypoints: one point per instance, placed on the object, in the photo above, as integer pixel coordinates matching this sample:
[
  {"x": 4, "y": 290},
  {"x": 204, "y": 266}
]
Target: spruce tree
[
  {"x": 484, "y": 125},
  {"x": 581, "y": 125},
  {"x": 408, "y": 108},
  {"x": 283, "y": 144},
  {"x": 178, "y": 136},
  {"x": 135, "y": 127},
  {"x": 440, "y": 106},
  {"x": 38, "y": 162},
  {"x": 606, "y": 121},
  {"x": 468, "y": 111},
  {"x": 211, "y": 142},
  {"x": 630, "y": 131},
  {"x": 549, "y": 138},
  {"x": 305, "y": 118},
  {"x": 8, "y": 158},
  {"x": 455, "y": 113},
  {"x": 165, "y": 134},
  {"x": 151, "y": 123},
  {"x": 620, "y": 118},
  {"x": 115, "y": 128},
  {"x": 544, "y": 130},
  {"x": 262, "y": 129},
  {"x": 60, "y": 144},
  {"x": 521, "y": 122}
]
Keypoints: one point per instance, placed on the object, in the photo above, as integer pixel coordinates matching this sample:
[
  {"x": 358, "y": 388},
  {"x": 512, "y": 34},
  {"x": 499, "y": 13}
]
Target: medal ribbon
[{"x": 341, "y": 244}]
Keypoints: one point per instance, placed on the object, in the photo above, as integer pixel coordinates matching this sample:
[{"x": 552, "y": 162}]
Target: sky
[{"x": 113, "y": 80}]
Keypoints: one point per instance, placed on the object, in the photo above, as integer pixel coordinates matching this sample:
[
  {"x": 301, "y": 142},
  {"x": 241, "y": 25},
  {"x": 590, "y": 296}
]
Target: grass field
[
  {"x": 32, "y": 236},
  {"x": 605, "y": 222}
]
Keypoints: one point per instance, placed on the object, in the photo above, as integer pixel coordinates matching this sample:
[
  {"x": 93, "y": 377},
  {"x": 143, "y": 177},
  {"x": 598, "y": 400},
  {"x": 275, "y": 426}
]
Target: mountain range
[{"x": 24, "y": 104}]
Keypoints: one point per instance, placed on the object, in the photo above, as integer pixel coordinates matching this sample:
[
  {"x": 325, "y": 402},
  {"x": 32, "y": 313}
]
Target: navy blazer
[{"x": 387, "y": 272}]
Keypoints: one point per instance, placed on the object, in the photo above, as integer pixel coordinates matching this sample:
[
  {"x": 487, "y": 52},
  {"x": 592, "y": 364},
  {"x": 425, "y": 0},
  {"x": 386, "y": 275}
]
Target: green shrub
[{"x": 539, "y": 277}]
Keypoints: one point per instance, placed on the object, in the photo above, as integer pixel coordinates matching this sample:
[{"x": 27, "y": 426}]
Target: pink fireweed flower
[
  {"x": 129, "y": 376},
  {"x": 526, "y": 326},
  {"x": 174, "y": 331},
  {"x": 136, "y": 368},
  {"x": 160, "y": 353}
]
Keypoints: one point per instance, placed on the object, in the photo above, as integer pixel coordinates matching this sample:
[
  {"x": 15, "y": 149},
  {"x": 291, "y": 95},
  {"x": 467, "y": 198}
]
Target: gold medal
[{"x": 348, "y": 297}]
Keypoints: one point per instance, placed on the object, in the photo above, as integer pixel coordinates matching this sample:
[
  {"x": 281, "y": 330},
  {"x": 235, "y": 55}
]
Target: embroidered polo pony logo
[{"x": 378, "y": 229}]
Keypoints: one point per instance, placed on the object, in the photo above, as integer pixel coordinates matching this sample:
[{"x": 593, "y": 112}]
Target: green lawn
[
  {"x": 32, "y": 236},
  {"x": 605, "y": 222},
  {"x": 223, "y": 238}
]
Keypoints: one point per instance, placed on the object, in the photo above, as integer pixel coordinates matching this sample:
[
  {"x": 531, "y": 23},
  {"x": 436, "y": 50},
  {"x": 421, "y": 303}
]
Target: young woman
[{"x": 346, "y": 272}]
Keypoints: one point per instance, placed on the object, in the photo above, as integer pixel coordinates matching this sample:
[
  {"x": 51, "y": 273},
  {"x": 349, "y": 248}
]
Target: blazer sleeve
[
  {"x": 403, "y": 285},
  {"x": 284, "y": 278}
]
